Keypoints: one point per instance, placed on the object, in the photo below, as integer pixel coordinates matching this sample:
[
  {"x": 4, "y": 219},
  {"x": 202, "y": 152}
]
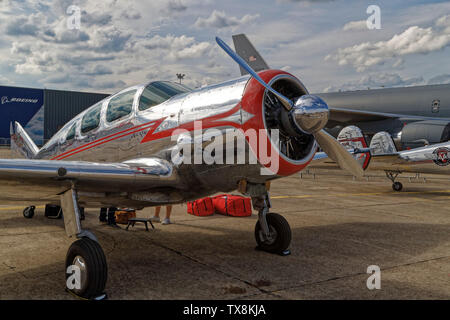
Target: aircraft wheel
[
  {"x": 397, "y": 186},
  {"x": 28, "y": 212},
  {"x": 280, "y": 232},
  {"x": 88, "y": 256}
]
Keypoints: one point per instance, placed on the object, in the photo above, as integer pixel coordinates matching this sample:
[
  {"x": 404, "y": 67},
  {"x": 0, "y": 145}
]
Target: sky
[{"x": 325, "y": 43}]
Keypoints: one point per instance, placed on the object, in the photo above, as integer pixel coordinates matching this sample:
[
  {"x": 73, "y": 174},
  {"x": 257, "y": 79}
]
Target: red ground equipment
[
  {"x": 201, "y": 207},
  {"x": 231, "y": 205}
]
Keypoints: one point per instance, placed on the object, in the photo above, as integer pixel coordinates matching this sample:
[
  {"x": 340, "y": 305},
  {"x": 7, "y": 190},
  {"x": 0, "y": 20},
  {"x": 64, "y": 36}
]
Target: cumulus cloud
[
  {"x": 377, "y": 80},
  {"x": 218, "y": 19},
  {"x": 413, "y": 40},
  {"x": 355, "y": 25},
  {"x": 174, "y": 48},
  {"x": 440, "y": 79},
  {"x": 99, "y": 70}
]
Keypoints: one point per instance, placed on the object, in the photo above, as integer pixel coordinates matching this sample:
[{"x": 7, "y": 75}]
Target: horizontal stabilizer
[{"x": 22, "y": 145}]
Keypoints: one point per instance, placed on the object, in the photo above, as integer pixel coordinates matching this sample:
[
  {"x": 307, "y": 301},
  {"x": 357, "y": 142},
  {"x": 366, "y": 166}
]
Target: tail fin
[
  {"x": 21, "y": 144},
  {"x": 247, "y": 51},
  {"x": 382, "y": 143},
  {"x": 351, "y": 137}
]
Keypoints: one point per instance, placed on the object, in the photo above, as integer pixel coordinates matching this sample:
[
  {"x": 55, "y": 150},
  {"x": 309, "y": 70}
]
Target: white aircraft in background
[{"x": 383, "y": 155}]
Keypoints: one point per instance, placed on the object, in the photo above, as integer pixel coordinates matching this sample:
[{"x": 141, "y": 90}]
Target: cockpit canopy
[
  {"x": 159, "y": 91},
  {"x": 119, "y": 106}
]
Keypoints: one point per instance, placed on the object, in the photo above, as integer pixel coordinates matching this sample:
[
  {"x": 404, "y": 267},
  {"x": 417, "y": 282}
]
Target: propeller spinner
[{"x": 307, "y": 114}]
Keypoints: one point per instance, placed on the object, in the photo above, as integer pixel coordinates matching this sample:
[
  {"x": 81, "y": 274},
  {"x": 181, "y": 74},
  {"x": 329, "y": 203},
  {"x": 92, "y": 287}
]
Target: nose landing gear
[{"x": 272, "y": 231}]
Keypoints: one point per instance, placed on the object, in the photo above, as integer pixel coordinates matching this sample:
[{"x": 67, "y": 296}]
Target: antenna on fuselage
[{"x": 180, "y": 76}]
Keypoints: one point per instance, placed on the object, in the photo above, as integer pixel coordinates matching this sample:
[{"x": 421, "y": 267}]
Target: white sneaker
[
  {"x": 155, "y": 219},
  {"x": 166, "y": 221}
]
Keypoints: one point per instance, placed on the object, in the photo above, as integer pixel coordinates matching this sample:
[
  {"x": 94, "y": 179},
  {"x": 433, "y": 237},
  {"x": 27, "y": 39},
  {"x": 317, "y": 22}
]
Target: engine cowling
[
  {"x": 294, "y": 149},
  {"x": 418, "y": 134}
]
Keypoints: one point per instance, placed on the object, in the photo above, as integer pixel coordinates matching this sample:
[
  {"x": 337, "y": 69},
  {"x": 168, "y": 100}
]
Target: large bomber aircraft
[
  {"x": 119, "y": 152},
  {"x": 413, "y": 116}
]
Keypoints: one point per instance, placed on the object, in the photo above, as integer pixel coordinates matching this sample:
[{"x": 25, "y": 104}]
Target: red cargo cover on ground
[
  {"x": 201, "y": 207},
  {"x": 231, "y": 205}
]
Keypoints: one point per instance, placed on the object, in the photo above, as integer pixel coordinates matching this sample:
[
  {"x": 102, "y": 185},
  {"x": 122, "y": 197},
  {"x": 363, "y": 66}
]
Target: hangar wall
[
  {"x": 61, "y": 106},
  {"x": 41, "y": 111}
]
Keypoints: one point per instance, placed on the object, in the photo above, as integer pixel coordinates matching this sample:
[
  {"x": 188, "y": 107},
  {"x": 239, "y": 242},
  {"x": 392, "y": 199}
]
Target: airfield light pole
[{"x": 180, "y": 76}]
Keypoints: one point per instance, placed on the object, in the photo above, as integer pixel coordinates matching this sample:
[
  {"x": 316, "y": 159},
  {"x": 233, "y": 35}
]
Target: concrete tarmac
[{"x": 339, "y": 228}]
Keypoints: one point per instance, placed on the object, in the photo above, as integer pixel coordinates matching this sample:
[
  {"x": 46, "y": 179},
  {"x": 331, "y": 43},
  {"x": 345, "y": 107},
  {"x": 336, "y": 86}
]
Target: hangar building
[{"x": 41, "y": 111}]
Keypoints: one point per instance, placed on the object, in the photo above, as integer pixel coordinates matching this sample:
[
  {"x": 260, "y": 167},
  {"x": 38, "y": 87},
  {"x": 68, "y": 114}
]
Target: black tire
[
  {"x": 28, "y": 212},
  {"x": 96, "y": 268},
  {"x": 282, "y": 237},
  {"x": 397, "y": 186}
]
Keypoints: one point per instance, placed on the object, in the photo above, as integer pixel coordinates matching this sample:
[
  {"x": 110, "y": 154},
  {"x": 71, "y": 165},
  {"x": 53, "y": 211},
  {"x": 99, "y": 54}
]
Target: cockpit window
[
  {"x": 71, "y": 133},
  {"x": 91, "y": 119},
  {"x": 159, "y": 91},
  {"x": 120, "y": 105}
]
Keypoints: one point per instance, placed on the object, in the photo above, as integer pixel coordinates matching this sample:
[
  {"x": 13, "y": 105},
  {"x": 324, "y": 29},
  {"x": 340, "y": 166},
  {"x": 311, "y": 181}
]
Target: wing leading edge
[{"x": 41, "y": 180}]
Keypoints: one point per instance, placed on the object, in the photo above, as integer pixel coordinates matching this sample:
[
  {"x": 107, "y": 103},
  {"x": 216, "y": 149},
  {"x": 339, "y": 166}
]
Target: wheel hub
[
  {"x": 270, "y": 238},
  {"x": 81, "y": 264}
]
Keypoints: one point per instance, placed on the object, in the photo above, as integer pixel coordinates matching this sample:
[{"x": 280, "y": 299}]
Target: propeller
[{"x": 307, "y": 114}]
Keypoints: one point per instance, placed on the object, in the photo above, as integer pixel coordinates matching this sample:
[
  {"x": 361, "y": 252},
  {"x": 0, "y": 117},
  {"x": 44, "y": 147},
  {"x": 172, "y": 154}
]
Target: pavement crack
[
  {"x": 357, "y": 274},
  {"x": 248, "y": 283}
]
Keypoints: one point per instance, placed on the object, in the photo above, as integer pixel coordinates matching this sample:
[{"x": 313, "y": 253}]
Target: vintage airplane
[
  {"x": 382, "y": 155},
  {"x": 119, "y": 153},
  {"x": 412, "y": 115}
]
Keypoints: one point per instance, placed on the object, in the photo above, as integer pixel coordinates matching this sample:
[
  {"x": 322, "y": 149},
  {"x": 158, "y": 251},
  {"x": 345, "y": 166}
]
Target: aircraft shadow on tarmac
[{"x": 327, "y": 261}]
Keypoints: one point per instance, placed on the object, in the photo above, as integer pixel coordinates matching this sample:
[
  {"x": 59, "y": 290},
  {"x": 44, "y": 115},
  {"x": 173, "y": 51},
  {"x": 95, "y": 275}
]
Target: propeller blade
[
  {"x": 287, "y": 103},
  {"x": 338, "y": 153}
]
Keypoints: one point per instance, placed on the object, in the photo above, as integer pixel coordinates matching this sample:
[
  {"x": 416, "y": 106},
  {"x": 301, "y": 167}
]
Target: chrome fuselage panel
[{"x": 149, "y": 133}]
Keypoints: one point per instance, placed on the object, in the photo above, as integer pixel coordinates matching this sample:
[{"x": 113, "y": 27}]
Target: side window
[
  {"x": 71, "y": 133},
  {"x": 120, "y": 105},
  {"x": 91, "y": 119}
]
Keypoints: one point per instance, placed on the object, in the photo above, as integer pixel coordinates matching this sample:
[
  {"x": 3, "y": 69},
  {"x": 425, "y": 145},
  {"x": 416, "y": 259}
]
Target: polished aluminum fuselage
[{"x": 149, "y": 133}]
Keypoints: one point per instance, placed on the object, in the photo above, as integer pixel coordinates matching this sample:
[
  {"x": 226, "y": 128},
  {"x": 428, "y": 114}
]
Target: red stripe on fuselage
[
  {"x": 206, "y": 123},
  {"x": 149, "y": 125},
  {"x": 209, "y": 122}
]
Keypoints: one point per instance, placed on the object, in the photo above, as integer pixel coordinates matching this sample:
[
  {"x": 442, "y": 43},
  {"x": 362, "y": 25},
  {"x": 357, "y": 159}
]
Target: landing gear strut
[
  {"x": 86, "y": 267},
  {"x": 396, "y": 186},
  {"x": 272, "y": 231}
]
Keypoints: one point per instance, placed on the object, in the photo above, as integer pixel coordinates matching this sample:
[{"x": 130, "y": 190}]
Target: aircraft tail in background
[
  {"x": 247, "y": 51},
  {"x": 382, "y": 144},
  {"x": 351, "y": 137}
]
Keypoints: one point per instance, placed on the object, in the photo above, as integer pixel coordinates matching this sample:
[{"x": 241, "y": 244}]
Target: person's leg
[
  {"x": 102, "y": 216},
  {"x": 156, "y": 218},
  {"x": 112, "y": 216},
  {"x": 168, "y": 212}
]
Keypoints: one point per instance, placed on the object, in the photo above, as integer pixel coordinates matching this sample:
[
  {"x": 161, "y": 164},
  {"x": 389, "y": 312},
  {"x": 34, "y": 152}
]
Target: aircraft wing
[
  {"x": 41, "y": 181},
  {"x": 353, "y": 116}
]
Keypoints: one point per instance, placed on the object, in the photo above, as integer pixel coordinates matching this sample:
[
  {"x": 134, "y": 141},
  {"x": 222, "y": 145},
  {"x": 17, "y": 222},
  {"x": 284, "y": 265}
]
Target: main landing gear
[
  {"x": 272, "y": 231},
  {"x": 86, "y": 267},
  {"x": 396, "y": 186}
]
